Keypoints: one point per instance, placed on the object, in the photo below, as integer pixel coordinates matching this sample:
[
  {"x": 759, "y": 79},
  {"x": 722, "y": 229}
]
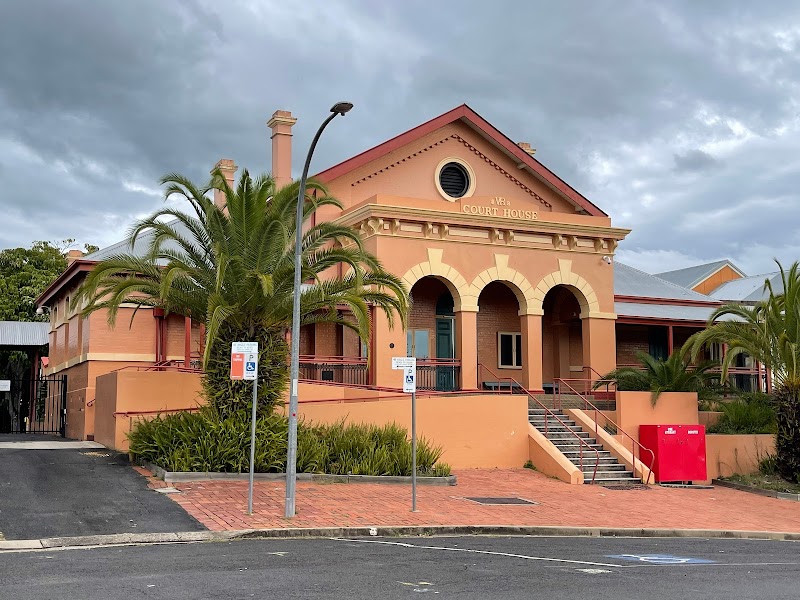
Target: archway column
[
  {"x": 599, "y": 343},
  {"x": 531, "y": 325},
  {"x": 467, "y": 346},
  {"x": 384, "y": 338}
]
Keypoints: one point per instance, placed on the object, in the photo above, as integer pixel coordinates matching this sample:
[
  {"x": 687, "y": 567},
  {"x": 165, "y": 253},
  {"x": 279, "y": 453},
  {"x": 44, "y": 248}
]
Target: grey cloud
[
  {"x": 630, "y": 103},
  {"x": 694, "y": 161}
]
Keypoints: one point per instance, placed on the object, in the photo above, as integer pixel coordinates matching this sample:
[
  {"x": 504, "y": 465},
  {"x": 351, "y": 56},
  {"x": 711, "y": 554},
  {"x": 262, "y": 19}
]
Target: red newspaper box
[{"x": 680, "y": 451}]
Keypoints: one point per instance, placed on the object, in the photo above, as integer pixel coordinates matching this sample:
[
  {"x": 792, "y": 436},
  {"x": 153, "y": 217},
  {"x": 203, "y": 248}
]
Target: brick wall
[
  {"x": 307, "y": 339},
  {"x": 424, "y": 296},
  {"x": 562, "y": 336},
  {"x": 498, "y": 311},
  {"x": 630, "y": 340},
  {"x": 327, "y": 340}
]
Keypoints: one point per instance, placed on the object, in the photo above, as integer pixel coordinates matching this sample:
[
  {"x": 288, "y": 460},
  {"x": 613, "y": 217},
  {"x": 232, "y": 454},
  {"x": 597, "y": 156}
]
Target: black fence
[
  {"x": 441, "y": 375},
  {"x": 337, "y": 370},
  {"x": 35, "y": 406}
]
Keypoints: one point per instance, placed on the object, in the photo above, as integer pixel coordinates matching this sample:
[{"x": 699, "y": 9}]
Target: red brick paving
[{"x": 221, "y": 505}]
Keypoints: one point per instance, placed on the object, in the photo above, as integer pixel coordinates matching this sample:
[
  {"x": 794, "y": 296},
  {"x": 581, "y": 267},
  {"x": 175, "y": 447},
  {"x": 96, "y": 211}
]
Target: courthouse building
[{"x": 512, "y": 274}]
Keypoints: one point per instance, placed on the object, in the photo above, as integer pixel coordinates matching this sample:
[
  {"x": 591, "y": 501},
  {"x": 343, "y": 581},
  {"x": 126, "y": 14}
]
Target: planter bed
[
  {"x": 187, "y": 476},
  {"x": 756, "y": 490}
]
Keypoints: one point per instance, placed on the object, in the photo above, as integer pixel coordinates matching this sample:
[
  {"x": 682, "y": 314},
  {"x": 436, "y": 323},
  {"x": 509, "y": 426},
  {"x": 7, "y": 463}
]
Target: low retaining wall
[
  {"x": 185, "y": 476},
  {"x": 672, "y": 408},
  {"x": 727, "y": 455},
  {"x": 476, "y": 431},
  {"x": 124, "y": 397}
]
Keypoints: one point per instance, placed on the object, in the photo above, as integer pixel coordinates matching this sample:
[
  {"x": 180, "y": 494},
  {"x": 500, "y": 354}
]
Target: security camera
[
  {"x": 40, "y": 311},
  {"x": 606, "y": 259}
]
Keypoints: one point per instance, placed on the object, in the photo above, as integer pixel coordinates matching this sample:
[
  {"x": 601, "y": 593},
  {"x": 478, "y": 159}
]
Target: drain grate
[
  {"x": 502, "y": 501},
  {"x": 626, "y": 486},
  {"x": 98, "y": 454}
]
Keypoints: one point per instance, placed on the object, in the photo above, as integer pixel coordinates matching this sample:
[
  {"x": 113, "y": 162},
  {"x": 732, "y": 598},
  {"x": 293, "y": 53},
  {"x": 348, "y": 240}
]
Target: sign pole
[
  {"x": 408, "y": 364},
  {"x": 252, "y": 447},
  {"x": 413, "y": 451},
  {"x": 244, "y": 366}
]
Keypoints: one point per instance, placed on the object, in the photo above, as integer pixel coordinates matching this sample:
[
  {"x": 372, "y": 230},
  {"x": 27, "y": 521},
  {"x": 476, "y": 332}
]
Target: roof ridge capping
[{"x": 699, "y": 272}]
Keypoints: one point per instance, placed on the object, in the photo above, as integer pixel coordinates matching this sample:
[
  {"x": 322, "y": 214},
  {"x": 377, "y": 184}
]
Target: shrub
[
  {"x": 768, "y": 465},
  {"x": 752, "y": 413},
  {"x": 207, "y": 441}
]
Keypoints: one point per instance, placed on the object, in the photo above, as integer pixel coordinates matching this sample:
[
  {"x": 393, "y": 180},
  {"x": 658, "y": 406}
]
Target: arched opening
[
  {"x": 431, "y": 335},
  {"x": 499, "y": 334},
  {"x": 562, "y": 337}
]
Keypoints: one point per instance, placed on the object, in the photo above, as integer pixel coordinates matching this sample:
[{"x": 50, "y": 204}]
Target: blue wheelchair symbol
[{"x": 251, "y": 366}]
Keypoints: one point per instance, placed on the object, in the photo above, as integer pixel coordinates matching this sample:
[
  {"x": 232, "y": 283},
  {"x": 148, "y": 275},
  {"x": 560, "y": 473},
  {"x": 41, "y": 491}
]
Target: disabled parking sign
[
  {"x": 244, "y": 360},
  {"x": 409, "y": 380}
]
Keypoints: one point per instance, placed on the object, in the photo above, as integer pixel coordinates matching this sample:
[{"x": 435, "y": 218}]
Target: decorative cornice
[{"x": 426, "y": 215}]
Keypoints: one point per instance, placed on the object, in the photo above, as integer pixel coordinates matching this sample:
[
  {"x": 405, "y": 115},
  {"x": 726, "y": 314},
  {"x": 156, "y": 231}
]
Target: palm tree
[
  {"x": 674, "y": 374},
  {"x": 232, "y": 268},
  {"x": 769, "y": 332}
]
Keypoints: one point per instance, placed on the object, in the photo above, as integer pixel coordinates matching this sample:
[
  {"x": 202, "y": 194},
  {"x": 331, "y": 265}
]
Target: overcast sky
[{"x": 679, "y": 119}]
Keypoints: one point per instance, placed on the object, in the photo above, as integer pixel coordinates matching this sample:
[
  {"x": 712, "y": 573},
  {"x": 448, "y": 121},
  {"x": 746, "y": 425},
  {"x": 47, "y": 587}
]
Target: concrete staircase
[{"x": 609, "y": 470}]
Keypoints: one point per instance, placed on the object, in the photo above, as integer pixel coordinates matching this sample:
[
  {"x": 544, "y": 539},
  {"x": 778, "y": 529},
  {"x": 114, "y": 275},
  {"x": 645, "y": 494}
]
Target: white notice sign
[
  {"x": 401, "y": 363},
  {"x": 410, "y": 380},
  {"x": 5, "y": 385},
  {"x": 244, "y": 360}
]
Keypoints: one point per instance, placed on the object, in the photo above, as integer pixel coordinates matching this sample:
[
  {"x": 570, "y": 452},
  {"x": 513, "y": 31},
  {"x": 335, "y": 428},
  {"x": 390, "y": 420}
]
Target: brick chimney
[
  {"x": 73, "y": 255},
  {"x": 281, "y": 124},
  {"x": 228, "y": 168},
  {"x": 527, "y": 147}
]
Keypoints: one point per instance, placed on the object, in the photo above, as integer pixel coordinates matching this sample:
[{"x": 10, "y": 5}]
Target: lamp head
[
  {"x": 40, "y": 311},
  {"x": 341, "y": 108}
]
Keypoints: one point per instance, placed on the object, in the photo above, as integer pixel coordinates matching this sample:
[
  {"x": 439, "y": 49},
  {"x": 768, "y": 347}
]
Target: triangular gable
[
  {"x": 465, "y": 114},
  {"x": 691, "y": 277}
]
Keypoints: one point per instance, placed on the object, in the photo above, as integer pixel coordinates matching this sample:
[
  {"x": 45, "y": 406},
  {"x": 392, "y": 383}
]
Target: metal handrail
[
  {"x": 547, "y": 412},
  {"x": 618, "y": 428},
  {"x": 333, "y": 360}
]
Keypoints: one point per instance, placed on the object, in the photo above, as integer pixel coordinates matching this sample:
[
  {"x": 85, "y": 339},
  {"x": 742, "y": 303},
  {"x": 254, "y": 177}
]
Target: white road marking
[
  {"x": 594, "y": 571},
  {"x": 489, "y": 552}
]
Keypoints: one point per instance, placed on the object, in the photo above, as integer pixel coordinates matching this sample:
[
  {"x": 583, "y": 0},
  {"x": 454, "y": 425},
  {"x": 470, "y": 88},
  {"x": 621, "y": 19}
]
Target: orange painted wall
[
  {"x": 475, "y": 431},
  {"x": 415, "y": 178},
  {"x": 672, "y": 408},
  {"x": 717, "y": 279},
  {"x": 135, "y": 392},
  {"x": 736, "y": 454}
]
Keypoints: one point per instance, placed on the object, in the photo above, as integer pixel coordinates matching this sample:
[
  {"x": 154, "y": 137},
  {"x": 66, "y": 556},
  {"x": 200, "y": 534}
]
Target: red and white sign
[{"x": 244, "y": 360}]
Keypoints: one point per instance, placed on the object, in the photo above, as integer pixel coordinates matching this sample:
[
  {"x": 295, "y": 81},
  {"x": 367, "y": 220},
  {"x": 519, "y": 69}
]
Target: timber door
[{"x": 445, "y": 351}]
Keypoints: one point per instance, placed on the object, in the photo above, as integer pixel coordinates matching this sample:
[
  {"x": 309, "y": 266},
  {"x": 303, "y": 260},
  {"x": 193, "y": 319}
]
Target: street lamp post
[{"x": 340, "y": 108}]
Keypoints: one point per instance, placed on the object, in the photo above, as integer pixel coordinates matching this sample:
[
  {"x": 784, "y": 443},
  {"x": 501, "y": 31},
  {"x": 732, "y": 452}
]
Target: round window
[{"x": 454, "y": 180}]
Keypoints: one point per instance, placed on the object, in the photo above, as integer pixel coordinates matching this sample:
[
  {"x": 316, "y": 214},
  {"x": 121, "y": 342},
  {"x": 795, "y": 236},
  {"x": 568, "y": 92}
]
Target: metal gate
[{"x": 35, "y": 406}]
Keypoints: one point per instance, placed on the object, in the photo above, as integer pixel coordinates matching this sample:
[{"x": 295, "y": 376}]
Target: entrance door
[
  {"x": 445, "y": 350},
  {"x": 35, "y": 406}
]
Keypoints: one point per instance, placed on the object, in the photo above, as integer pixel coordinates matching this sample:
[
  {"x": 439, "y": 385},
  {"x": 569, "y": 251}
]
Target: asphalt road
[
  {"x": 462, "y": 567},
  {"x": 68, "y": 492}
]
